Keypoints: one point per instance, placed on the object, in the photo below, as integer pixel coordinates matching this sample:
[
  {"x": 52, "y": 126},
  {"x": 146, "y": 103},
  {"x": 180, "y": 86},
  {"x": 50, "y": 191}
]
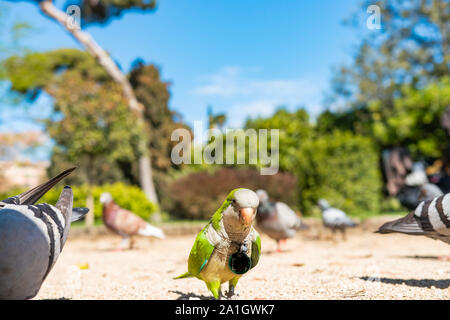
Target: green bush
[
  {"x": 128, "y": 197},
  {"x": 342, "y": 168}
]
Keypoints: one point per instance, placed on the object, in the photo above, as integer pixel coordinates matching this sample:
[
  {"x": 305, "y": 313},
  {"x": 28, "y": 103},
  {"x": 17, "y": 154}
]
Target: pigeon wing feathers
[
  {"x": 11, "y": 200},
  {"x": 78, "y": 213},
  {"x": 430, "y": 219},
  {"x": 128, "y": 223},
  {"x": 409, "y": 224},
  {"x": 33, "y": 195},
  {"x": 65, "y": 202},
  {"x": 287, "y": 216}
]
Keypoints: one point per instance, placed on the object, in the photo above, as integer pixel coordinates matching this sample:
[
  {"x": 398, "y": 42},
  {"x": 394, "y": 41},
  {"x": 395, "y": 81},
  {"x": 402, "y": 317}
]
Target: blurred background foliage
[
  {"x": 128, "y": 197},
  {"x": 197, "y": 195},
  {"x": 392, "y": 94}
]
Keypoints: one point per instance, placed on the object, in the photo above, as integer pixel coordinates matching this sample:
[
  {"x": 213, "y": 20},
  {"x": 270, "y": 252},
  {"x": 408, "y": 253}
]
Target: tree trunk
[
  {"x": 90, "y": 216},
  {"x": 145, "y": 170}
]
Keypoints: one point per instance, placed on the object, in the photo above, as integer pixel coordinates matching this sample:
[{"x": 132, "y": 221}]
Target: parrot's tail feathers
[{"x": 184, "y": 275}]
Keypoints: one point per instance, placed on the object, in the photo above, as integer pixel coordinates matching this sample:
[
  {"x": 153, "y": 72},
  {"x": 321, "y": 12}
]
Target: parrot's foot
[{"x": 230, "y": 295}]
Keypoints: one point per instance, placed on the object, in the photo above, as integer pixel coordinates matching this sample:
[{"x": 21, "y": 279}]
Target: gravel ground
[{"x": 366, "y": 266}]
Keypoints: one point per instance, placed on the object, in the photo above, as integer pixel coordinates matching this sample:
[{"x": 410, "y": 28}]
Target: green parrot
[{"x": 228, "y": 246}]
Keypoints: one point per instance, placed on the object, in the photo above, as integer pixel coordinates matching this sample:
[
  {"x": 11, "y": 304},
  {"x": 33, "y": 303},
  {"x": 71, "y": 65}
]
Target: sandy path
[{"x": 406, "y": 267}]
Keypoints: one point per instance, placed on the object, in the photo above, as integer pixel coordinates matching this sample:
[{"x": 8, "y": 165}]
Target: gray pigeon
[
  {"x": 32, "y": 237},
  {"x": 428, "y": 192},
  {"x": 335, "y": 219},
  {"x": 431, "y": 219},
  {"x": 276, "y": 219}
]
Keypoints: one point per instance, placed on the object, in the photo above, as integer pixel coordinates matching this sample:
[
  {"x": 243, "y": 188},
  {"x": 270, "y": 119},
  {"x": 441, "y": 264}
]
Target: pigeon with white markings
[
  {"x": 32, "y": 237},
  {"x": 428, "y": 192},
  {"x": 126, "y": 223},
  {"x": 276, "y": 219},
  {"x": 335, "y": 219},
  {"x": 431, "y": 219}
]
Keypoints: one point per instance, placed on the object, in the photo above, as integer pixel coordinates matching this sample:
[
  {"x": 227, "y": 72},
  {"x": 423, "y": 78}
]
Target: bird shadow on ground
[
  {"x": 424, "y": 257},
  {"x": 187, "y": 296},
  {"x": 422, "y": 283},
  {"x": 269, "y": 252}
]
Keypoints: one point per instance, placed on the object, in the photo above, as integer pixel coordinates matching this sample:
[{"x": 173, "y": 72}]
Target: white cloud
[
  {"x": 244, "y": 94},
  {"x": 233, "y": 81}
]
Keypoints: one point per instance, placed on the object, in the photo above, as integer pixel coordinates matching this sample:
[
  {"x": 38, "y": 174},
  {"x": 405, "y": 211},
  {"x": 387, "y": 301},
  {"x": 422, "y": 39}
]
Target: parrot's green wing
[
  {"x": 256, "y": 249},
  {"x": 200, "y": 253}
]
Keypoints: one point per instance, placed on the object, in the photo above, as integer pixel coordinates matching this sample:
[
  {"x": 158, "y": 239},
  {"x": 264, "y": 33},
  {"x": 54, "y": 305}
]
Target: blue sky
[{"x": 244, "y": 58}]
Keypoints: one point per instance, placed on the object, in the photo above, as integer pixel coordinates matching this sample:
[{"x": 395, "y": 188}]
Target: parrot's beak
[{"x": 246, "y": 216}]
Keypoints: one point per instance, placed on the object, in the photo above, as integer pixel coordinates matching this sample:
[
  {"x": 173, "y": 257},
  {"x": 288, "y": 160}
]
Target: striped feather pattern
[
  {"x": 431, "y": 219},
  {"x": 53, "y": 220}
]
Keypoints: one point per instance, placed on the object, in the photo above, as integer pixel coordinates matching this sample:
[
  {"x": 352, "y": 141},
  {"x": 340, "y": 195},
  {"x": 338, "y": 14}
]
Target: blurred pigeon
[
  {"x": 411, "y": 197},
  {"x": 126, "y": 223},
  {"x": 431, "y": 219},
  {"x": 228, "y": 246},
  {"x": 32, "y": 237},
  {"x": 335, "y": 219},
  {"x": 418, "y": 176},
  {"x": 276, "y": 219},
  {"x": 428, "y": 192}
]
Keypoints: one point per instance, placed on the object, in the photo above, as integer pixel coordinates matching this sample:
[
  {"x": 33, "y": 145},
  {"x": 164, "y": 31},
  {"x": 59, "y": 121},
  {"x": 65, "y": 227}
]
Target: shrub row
[{"x": 128, "y": 197}]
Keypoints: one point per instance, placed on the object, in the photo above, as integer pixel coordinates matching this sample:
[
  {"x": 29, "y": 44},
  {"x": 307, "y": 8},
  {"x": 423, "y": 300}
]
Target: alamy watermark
[
  {"x": 229, "y": 147},
  {"x": 74, "y": 13},
  {"x": 374, "y": 20}
]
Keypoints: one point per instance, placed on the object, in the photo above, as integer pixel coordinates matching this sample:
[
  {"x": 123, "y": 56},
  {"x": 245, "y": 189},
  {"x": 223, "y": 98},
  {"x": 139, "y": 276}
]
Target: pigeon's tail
[
  {"x": 78, "y": 213},
  {"x": 65, "y": 202},
  {"x": 151, "y": 231},
  {"x": 408, "y": 225},
  {"x": 33, "y": 195},
  {"x": 184, "y": 275}
]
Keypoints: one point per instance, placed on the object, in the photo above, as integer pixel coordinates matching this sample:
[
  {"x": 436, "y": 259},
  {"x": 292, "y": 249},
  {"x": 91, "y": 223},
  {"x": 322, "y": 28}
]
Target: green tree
[
  {"x": 328, "y": 161},
  {"x": 411, "y": 50},
  {"x": 101, "y": 11},
  {"x": 160, "y": 122},
  {"x": 414, "y": 120},
  {"x": 295, "y": 128},
  {"x": 342, "y": 168},
  {"x": 92, "y": 126}
]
